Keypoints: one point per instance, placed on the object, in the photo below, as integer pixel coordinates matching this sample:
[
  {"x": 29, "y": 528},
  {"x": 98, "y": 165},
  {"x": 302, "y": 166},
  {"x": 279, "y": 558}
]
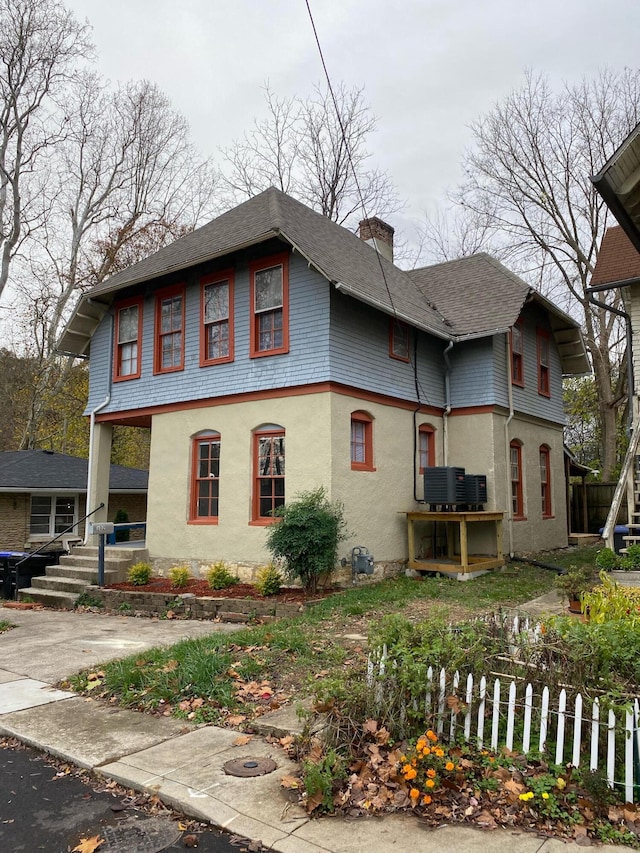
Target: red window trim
[
  {"x": 518, "y": 513},
  {"x": 281, "y": 259},
  {"x": 367, "y": 420},
  {"x": 258, "y": 520},
  {"x": 216, "y": 278},
  {"x": 393, "y": 324},
  {"x": 161, "y": 295},
  {"x": 543, "y": 370},
  {"x": 514, "y": 354},
  {"x": 547, "y": 511},
  {"x": 194, "y": 518},
  {"x": 127, "y": 303},
  {"x": 429, "y": 431}
]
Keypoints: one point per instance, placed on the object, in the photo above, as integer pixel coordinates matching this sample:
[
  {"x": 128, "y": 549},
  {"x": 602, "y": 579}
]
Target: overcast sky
[{"x": 429, "y": 67}]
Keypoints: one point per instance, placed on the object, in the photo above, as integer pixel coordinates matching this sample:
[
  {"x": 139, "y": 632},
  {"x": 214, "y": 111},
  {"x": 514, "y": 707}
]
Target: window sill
[
  {"x": 126, "y": 378},
  {"x": 357, "y": 466},
  {"x": 519, "y": 518},
  {"x": 160, "y": 371},
  {"x": 262, "y": 522},
  {"x": 208, "y": 521},
  {"x": 545, "y": 517},
  {"x": 227, "y": 359},
  {"x": 267, "y": 352},
  {"x": 517, "y": 384},
  {"x": 546, "y": 394}
]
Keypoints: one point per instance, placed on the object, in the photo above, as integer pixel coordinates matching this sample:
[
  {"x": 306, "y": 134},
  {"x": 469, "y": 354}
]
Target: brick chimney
[{"x": 378, "y": 234}]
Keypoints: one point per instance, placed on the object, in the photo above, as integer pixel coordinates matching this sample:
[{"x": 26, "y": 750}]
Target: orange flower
[
  {"x": 432, "y": 736},
  {"x": 439, "y": 752},
  {"x": 430, "y": 783},
  {"x": 426, "y": 751},
  {"x": 431, "y": 773},
  {"x": 449, "y": 765},
  {"x": 422, "y": 743},
  {"x": 409, "y": 772},
  {"x": 414, "y": 793},
  {"x": 426, "y": 800}
]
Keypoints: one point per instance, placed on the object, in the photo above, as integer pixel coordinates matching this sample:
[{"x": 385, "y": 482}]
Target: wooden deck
[{"x": 457, "y": 528}]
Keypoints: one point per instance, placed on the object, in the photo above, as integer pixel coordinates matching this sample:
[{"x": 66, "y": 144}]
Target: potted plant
[{"x": 572, "y": 583}]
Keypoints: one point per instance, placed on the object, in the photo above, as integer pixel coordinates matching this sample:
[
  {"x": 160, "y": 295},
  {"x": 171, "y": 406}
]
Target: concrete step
[
  {"x": 112, "y": 551},
  {"x": 88, "y": 574},
  {"x": 116, "y": 564},
  {"x": 74, "y": 585},
  {"x": 50, "y": 598}
]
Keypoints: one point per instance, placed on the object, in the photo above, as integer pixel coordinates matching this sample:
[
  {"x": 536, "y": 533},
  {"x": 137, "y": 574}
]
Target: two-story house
[{"x": 272, "y": 352}]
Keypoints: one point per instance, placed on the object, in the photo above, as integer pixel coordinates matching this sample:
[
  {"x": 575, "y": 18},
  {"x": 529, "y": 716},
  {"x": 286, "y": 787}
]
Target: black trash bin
[
  {"x": 619, "y": 532},
  {"x": 19, "y": 567}
]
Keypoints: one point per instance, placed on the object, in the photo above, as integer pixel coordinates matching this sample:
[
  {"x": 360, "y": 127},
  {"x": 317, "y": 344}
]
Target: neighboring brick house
[
  {"x": 42, "y": 493},
  {"x": 273, "y": 334}
]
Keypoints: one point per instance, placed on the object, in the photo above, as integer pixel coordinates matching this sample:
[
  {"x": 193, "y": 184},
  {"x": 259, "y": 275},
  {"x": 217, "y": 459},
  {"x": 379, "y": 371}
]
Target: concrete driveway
[{"x": 49, "y": 645}]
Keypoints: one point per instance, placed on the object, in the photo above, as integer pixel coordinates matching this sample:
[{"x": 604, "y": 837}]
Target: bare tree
[
  {"x": 318, "y": 155},
  {"x": 528, "y": 184},
  {"x": 40, "y": 45},
  {"x": 129, "y": 180}
]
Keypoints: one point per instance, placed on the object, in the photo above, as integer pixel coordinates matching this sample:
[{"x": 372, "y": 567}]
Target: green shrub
[
  {"x": 631, "y": 560},
  {"x": 179, "y": 576},
  {"x": 607, "y": 559},
  {"x": 219, "y": 576},
  {"x": 139, "y": 574},
  {"x": 269, "y": 580},
  {"x": 307, "y": 536},
  {"x": 122, "y": 517}
]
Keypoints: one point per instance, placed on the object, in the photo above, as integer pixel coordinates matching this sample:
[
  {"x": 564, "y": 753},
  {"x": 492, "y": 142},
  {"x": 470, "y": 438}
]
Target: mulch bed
[{"x": 239, "y": 590}]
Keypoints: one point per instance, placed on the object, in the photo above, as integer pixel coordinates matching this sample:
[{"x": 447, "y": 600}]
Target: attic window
[
  {"x": 517, "y": 350},
  {"x": 270, "y": 306},
  {"x": 398, "y": 340},
  {"x": 544, "y": 386}
]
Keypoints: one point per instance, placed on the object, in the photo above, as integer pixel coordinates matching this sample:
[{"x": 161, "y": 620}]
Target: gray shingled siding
[
  {"x": 360, "y": 355},
  {"x": 527, "y": 400},
  {"x": 472, "y": 376}
]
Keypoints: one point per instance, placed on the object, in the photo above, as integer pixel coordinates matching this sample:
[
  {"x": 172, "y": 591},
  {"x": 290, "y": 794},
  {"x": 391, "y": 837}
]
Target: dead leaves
[
  {"x": 88, "y": 845},
  {"x": 94, "y": 679}
]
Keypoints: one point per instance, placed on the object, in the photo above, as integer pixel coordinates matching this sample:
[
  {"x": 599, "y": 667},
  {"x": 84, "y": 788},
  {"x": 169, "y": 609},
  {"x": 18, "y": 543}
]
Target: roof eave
[{"x": 618, "y": 183}]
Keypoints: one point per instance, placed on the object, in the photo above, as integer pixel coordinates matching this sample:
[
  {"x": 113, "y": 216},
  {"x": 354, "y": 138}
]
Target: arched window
[
  {"x": 268, "y": 472},
  {"x": 545, "y": 480},
  {"x": 515, "y": 458},
  {"x": 205, "y": 477},
  {"x": 426, "y": 446},
  {"x": 361, "y": 441}
]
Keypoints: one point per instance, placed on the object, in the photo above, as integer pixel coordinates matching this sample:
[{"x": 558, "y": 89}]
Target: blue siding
[
  {"x": 527, "y": 400},
  {"x": 360, "y": 355},
  {"x": 307, "y": 360},
  {"x": 472, "y": 380}
]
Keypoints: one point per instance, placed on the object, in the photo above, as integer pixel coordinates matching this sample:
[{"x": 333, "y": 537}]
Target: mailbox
[{"x": 103, "y": 527}]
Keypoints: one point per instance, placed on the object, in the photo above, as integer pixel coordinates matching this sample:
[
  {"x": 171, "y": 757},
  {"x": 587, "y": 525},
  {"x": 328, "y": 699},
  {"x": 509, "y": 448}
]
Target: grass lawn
[
  {"x": 231, "y": 678},
  {"x": 5, "y": 626}
]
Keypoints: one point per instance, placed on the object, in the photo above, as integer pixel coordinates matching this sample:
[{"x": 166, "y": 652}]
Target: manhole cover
[
  {"x": 249, "y": 766},
  {"x": 135, "y": 835}
]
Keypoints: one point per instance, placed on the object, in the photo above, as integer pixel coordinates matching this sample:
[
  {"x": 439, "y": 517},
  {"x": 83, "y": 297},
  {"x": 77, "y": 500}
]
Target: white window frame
[{"x": 53, "y": 496}]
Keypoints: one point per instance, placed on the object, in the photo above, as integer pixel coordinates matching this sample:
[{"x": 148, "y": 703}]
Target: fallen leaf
[
  {"x": 371, "y": 726},
  {"x": 290, "y": 782},
  {"x": 190, "y": 840},
  {"x": 88, "y": 845},
  {"x": 170, "y": 666},
  {"x": 242, "y": 740},
  {"x": 235, "y": 719}
]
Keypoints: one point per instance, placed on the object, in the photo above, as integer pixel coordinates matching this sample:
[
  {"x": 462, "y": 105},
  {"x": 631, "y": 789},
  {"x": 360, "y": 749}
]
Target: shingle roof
[
  {"x": 470, "y": 297},
  {"x": 618, "y": 258},
  {"x": 337, "y": 253},
  {"x": 43, "y": 469}
]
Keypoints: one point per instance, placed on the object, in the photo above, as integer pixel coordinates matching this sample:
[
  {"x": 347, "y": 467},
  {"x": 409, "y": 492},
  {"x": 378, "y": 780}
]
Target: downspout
[
  {"x": 507, "y": 444},
  {"x": 92, "y": 423},
  {"x": 447, "y": 402}
]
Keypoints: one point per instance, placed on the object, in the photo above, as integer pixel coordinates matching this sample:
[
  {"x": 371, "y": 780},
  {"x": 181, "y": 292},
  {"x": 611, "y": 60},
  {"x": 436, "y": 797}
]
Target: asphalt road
[{"x": 44, "y": 807}]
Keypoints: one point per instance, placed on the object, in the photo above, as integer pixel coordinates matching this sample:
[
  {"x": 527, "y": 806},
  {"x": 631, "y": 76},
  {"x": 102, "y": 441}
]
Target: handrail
[
  {"x": 614, "y": 509},
  {"x": 55, "y": 538}
]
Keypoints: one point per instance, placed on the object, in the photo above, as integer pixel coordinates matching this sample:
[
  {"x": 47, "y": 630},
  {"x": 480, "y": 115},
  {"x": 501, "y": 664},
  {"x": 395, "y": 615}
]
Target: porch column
[{"x": 99, "y": 468}]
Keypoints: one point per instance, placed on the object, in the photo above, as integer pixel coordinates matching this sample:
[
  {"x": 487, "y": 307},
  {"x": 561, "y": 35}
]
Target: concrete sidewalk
[{"x": 183, "y": 764}]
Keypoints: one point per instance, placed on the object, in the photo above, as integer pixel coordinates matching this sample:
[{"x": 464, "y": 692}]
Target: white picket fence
[{"x": 488, "y": 712}]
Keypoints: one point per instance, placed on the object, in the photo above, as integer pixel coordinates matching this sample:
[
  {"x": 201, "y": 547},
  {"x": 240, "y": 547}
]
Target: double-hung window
[
  {"x": 51, "y": 514},
  {"x": 269, "y": 472},
  {"x": 544, "y": 386},
  {"x": 361, "y": 442},
  {"x": 169, "y": 343},
  {"x": 545, "y": 481},
  {"x": 216, "y": 341},
  {"x": 270, "y": 306},
  {"x": 517, "y": 353},
  {"x": 205, "y": 478},
  {"x": 426, "y": 446},
  {"x": 515, "y": 456},
  {"x": 128, "y": 335},
  {"x": 398, "y": 340}
]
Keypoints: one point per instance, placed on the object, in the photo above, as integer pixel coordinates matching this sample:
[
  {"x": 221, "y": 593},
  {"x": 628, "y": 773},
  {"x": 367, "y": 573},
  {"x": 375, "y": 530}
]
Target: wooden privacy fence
[{"x": 492, "y": 713}]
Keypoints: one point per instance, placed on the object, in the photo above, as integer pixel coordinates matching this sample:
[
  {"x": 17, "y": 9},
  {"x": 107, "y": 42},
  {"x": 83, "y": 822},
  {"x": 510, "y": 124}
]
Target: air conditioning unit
[
  {"x": 444, "y": 485},
  {"x": 475, "y": 489}
]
